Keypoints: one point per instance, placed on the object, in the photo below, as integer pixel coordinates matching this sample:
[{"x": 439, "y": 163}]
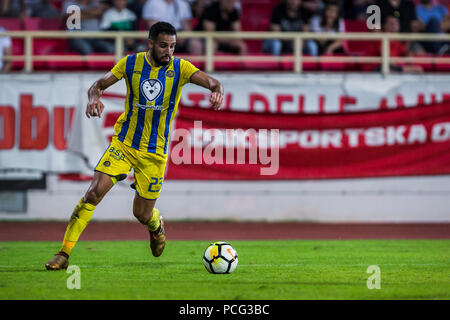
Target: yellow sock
[
  {"x": 154, "y": 223},
  {"x": 78, "y": 221}
]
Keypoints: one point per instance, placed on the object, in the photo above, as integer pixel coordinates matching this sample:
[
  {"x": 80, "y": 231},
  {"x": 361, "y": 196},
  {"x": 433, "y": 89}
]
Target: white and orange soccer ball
[{"x": 220, "y": 257}]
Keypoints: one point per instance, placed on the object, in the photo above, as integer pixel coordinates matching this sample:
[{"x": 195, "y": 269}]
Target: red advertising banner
[{"x": 227, "y": 145}]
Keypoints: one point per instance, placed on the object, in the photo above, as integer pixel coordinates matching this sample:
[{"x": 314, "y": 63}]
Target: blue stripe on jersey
[
  {"x": 157, "y": 113},
  {"x": 173, "y": 95},
  {"x": 131, "y": 60},
  {"x": 145, "y": 74}
]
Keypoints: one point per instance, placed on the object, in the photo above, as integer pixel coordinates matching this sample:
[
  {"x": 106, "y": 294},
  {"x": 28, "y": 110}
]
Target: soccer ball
[{"x": 220, "y": 257}]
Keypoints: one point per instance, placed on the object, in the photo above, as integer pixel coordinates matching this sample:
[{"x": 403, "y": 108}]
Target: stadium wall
[
  {"x": 400, "y": 199},
  {"x": 382, "y": 199}
]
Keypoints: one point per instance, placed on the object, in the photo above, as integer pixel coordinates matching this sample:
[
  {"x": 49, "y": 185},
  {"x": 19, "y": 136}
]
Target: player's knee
[
  {"x": 143, "y": 216},
  {"x": 138, "y": 214},
  {"x": 93, "y": 197}
]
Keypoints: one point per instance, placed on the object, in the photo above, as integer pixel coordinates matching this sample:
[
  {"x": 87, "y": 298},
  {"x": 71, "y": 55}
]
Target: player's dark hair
[{"x": 161, "y": 27}]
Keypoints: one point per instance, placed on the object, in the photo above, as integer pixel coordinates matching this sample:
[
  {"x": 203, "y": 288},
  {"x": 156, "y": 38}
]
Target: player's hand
[
  {"x": 94, "y": 109},
  {"x": 216, "y": 100}
]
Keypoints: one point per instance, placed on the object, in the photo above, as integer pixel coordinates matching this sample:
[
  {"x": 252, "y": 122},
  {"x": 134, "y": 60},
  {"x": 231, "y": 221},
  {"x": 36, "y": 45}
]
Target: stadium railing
[{"x": 209, "y": 57}]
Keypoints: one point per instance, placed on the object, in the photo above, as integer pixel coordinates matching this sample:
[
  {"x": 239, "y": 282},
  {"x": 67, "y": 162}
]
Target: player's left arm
[{"x": 204, "y": 80}]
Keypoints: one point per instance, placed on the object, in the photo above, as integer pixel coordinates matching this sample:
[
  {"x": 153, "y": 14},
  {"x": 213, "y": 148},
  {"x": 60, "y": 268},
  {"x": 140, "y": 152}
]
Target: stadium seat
[
  {"x": 48, "y": 46},
  {"x": 52, "y": 24},
  {"x": 261, "y": 65},
  {"x": 253, "y": 46},
  {"x": 142, "y": 25},
  {"x": 355, "y": 47},
  {"x": 306, "y": 66},
  {"x": 257, "y": 18},
  {"x": 103, "y": 65},
  {"x": 355, "y": 26},
  {"x": 40, "y": 66},
  {"x": 10, "y": 24},
  {"x": 70, "y": 65},
  {"x": 227, "y": 65},
  {"x": 58, "y": 4},
  {"x": 256, "y": 15},
  {"x": 427, "y": 65},
  {"x": 40, "y": 47},
  {"x": 198, "y": 64},
  {"x": 194, "y": 23},
  {"x": 367, "y": 67},
  {"x": 262, "y": 24},
  {"x": 31, "y": 24},
  {"x": 17, "y": 50},
  {"x": 35, "y": 24},
  {"x": 336, "y": 66},
  {"x": 442, "y": 66},
  {"x": 191, "y": 58}
]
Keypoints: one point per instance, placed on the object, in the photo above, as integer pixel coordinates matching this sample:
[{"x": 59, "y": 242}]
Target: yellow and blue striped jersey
[{"x": 153, "y": 94}]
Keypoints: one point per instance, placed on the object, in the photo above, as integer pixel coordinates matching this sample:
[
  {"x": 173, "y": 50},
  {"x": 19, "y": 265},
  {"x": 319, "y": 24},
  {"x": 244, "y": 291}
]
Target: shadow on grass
[
  {"x": 16, "y": 270},
  {"x": 151, "y": 265}
]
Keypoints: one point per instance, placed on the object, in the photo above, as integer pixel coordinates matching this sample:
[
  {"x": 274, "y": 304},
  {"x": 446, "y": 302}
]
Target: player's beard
[{"x": 158, "y": 60}]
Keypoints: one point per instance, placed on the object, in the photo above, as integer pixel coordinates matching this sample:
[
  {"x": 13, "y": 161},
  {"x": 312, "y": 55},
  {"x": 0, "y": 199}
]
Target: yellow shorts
[{"x": 149, "y": 168}]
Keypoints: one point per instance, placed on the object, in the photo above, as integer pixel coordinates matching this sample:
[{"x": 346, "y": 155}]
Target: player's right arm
[{"x": 95, "y": 106}]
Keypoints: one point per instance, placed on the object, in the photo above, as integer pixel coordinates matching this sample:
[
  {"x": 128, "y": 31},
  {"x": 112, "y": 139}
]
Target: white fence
[{"x": 209, "y": 37}]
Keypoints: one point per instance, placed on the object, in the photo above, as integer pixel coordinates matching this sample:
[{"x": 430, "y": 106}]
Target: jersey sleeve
[
  {"x": 119, "y": 69},
  {"x": 187, "y": 69}
]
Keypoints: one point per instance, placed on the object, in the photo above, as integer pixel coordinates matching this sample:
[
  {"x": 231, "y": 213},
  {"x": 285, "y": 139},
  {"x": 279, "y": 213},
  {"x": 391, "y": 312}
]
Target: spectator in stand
[
  {"x": 28, "y": 8},
  {"x": 223, "y": 16},
  {"x": 356, "y": 9},
  {"x": 91, "y": 13},
  {"x": 13, "y": 9},
  {"x": 404, "y": 10},
  {"x": 137, "y": 6},
  {"x": 119, "y": 18},
  {"x": 311, "y": 8},
  {"x": 431, "y": 17},
  {"x": 287, "y": 16},
  {"x": 445, "y": 28},
  {"x": 177, "y": 13},
  {"x": 396, "y": 48},
  {"x": 331, "y": 22},
  {"x": 40, "y": 9},
  {"x": 198, "y": 6},
  {"x": 5, "y": 51}
]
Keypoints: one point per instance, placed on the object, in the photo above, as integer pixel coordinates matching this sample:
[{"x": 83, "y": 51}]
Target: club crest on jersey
[
  {"x": 151, "y": 89},
  {"x": 170, "y": 73}
]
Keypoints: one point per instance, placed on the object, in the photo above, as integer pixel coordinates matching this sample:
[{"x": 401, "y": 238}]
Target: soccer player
[{"x": 154, "y": 81}]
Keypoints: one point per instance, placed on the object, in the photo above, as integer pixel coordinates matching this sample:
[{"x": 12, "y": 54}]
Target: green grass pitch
[{"x": 288, "y": 270}]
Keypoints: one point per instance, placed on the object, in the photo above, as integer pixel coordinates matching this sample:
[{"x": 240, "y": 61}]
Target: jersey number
[{"x": 157, "y": 183}]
